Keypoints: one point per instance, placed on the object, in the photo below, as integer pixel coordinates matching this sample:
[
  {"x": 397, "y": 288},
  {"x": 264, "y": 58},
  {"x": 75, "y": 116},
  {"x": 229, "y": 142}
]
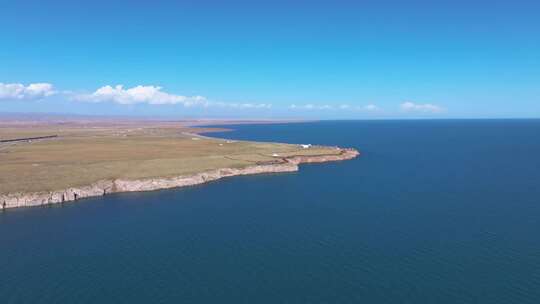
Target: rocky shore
[{"x": 288, "y": 164}]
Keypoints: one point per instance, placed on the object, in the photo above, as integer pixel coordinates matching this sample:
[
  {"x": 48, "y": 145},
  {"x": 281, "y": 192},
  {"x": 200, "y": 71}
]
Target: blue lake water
[{"x": 432, "y": 212}]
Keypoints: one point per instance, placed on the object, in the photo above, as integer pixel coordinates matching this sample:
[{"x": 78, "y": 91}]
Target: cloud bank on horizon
[
  {"x": 18, "y": 91},
  {"x": 152, "y": 95},
  {"x": 424, "y": 108},
  {"x": 310, "y": 107}
]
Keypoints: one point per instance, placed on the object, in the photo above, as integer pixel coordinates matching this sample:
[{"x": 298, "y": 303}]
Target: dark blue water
[{"x": 433, "y": 212}]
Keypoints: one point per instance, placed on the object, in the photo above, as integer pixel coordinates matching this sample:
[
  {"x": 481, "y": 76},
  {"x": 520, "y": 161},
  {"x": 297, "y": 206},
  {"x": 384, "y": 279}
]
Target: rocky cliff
[{"x": 289, "y": 164}]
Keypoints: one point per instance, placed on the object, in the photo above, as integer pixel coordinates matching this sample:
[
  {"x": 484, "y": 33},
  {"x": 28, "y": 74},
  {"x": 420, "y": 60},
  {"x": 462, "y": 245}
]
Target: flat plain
[{"x": 87, "y": 151}]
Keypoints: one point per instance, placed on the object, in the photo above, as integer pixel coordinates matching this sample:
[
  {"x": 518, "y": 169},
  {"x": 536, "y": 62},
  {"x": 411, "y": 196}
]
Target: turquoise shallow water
[{"x": 432, "y": 212}]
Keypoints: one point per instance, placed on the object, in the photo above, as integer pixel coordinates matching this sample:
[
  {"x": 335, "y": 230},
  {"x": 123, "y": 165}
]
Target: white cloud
[
  {"x": 241, "y": 105},
  {"x": 371, "y": 108},
  {"x": 154, "y": 95},
  {"x": 18, "y": 91},
  {"x": 311, "y": 107},
  {"x": 139, "y": 95},
  {"x": 342, "y": 107},
  {"x": 422, "y": 108}
]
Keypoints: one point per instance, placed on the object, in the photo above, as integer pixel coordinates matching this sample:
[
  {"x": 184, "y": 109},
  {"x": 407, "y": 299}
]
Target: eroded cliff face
[{"x": 290, "y": 164}]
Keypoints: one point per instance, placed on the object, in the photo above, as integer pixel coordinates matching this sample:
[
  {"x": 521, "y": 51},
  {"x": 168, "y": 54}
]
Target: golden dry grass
[{"x": 83, "y": 155}]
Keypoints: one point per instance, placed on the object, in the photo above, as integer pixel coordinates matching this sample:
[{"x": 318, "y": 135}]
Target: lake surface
[{"x": 432, "y": 212}]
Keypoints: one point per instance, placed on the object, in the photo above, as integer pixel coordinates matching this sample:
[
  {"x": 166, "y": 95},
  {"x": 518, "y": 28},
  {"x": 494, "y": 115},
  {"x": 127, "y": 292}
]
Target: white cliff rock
[{"x": 290, "y": 164}]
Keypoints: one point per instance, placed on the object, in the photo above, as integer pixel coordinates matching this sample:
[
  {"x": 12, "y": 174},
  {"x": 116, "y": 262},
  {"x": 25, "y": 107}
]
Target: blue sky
[{"x": 272, "y": 59}]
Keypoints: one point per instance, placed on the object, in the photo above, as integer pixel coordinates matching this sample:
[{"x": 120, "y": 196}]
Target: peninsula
[{"x": 49, "y": 162}]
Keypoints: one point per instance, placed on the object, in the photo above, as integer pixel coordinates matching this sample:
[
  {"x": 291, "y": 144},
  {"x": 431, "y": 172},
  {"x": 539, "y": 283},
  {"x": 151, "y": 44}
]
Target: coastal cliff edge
[{"x": 288, "y": 164}]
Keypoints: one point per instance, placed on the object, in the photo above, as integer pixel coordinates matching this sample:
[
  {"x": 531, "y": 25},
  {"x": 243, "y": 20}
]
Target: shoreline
[{"x": 104, "y": 187}]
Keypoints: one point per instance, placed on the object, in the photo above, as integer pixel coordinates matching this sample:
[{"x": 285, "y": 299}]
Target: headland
[{"x": 58, "y": 161}]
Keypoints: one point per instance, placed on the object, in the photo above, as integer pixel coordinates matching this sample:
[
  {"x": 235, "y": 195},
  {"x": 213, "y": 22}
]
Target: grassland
[{"x": 86, "y": 152}]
